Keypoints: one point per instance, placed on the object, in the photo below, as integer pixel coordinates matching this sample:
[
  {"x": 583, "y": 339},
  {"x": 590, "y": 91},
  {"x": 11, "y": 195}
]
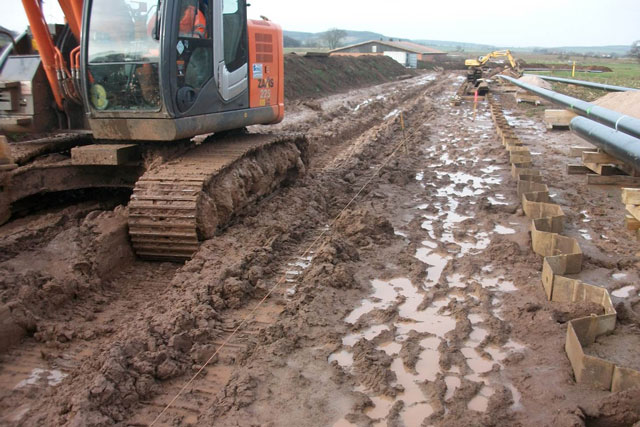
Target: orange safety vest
[{"x": 193, "y": 24}]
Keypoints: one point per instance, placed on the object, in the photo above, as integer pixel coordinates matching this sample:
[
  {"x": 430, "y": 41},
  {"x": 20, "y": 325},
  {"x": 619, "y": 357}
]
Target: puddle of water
[
  {"x": 343, "y": 357},
  {"x": 383, "y": 296},
  {"x": 496, "y": 202},
  {"x": 367, "y": 334},
  {"x": 297, "y": 268},
  {"x": 392, "y": 114},
  {"x": 428, "y": 365},
  {"x": 452, "y": 384},
  {"x": 496, "y": 353},
  {"x": 344, "y": 423},
  {"x": 52, "y": 378},
  {"x": 585, "y": 234},
  {"x": 392, "y": 348},
  {"x": 477, "y": 336},
  {"x": 478, "y": 364},
  {"x": 474, "y": 318},
  {"x": 415, "y": 414},
  {"x": 490, "y": 169},
  {"x": 517, "y": 397},
  {"x": 382, "y": 405},
  {"x": 503, "y": 230},
  {"x": 498, "y": 283},
  {"x": 412, "y": 393},
  {"x": 480, "y": 403},
  {"x": 437, "y": 263},
  {"x": 624, "y": 292},
  {"x": 428, "y": 321},
  {"x": 455, "y": 281},
  {"x": 619, "y": 276}
]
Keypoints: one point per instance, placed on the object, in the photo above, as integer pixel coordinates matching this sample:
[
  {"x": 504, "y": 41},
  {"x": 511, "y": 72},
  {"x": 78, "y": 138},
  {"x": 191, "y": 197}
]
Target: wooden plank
[
  {"x": 634, "y": 210},
  {"x": 631, "y": 196},
  {"x": 558, "y": 118},
  {"x": 632, "y": 223},
  {"x": 595, "y": 157},
  {"x": 626, "y": 180},
  {"x": 576, "y": 151},
  {"x": 629, "y": 170},
  {"x": 602, "y": 169},
  {"x": 104, "y": 154},
  {"x": 525, "y": 97},
  {"x": 577, "y": 170}
]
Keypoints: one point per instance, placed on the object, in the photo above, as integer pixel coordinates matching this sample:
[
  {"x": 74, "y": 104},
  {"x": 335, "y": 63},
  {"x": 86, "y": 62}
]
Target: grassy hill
[{"x": 354, "y": 37}]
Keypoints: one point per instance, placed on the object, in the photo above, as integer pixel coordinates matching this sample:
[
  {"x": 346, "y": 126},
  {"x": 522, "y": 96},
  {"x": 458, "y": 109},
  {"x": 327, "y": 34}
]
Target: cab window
[
  {"x": 194, "y": 48},
  {"x": 234, "y": 34}
]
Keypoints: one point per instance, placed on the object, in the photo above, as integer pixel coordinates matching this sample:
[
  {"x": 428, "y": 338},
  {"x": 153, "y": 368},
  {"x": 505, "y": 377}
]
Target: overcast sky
[{"x": 497, "y": 22}]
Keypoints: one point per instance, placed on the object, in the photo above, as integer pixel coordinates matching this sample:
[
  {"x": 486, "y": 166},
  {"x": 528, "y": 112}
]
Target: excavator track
[{"x": 181, "y": 202}]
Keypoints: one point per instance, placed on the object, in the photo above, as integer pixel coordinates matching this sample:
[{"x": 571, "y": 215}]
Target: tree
[
  {"x": 635, "y": 50},
  {"x": 333, "y": 37},
  {"x": 291, "y": 42}
]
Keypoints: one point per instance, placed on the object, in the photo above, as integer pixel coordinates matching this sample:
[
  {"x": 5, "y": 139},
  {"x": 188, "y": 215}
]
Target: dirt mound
[
  {"x": 317, "y": 76},
  {"x": 623, "y": 102},
  {"x": 538, "y": 65},
  {"x": 37, "y": 283},
  {"x": 536, "y": 81}
]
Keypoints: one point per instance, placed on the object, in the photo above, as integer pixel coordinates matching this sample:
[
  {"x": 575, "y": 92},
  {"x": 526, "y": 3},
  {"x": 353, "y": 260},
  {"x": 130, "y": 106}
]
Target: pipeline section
[
  {"x": 617, "y": 144},
  {"x": 610, "y": 118},
  {"x": 610, "y": 88}
]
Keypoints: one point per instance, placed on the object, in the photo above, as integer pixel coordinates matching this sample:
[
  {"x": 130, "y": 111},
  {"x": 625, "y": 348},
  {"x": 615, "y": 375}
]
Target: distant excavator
[{"x": 475, "y": 73}]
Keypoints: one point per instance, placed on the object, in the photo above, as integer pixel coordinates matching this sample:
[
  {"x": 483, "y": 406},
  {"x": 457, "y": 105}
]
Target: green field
[{"x": 626, "y": 72}]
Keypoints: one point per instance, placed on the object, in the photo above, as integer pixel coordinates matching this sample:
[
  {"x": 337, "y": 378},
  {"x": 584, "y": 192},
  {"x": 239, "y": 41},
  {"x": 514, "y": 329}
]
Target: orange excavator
[{"x": 121, "y": 91}]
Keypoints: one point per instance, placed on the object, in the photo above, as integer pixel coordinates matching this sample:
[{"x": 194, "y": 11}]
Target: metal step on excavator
[{"x": 151, "y": 96}]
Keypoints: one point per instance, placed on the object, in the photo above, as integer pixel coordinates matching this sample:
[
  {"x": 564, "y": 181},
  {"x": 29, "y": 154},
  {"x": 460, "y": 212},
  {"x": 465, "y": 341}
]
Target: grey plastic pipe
[
  {"x": 611, "y": 88},
  {"x": 610, "y": 118},
  {"x": 617, "y": 144}
]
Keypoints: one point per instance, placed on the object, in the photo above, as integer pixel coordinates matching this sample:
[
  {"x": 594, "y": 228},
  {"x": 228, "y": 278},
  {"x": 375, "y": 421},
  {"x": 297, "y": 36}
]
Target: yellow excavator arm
[{"x": 495, "y": 54}]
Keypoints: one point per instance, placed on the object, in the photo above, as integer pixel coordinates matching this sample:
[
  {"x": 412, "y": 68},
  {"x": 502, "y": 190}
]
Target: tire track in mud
[
  {"x": 210, "y": 387},
  {"x": 32, "y": 370},
  {"x": 441, "y": 339},
  {"x": 207, "y": 386}
]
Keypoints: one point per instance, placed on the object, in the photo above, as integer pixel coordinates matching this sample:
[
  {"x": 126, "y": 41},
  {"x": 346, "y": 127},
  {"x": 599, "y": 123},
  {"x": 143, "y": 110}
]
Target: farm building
[{"x": 379, "y": 47}]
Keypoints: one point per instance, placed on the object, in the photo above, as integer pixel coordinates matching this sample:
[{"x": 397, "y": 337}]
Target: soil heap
[
  {"x": 623, "y": 102},
  {"x": 309, "y": 77},
  {"x": 535, "y": 81}
]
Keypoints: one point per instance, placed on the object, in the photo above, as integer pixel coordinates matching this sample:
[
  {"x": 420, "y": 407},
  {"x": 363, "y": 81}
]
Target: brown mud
[{"x": 422, "y": 306}]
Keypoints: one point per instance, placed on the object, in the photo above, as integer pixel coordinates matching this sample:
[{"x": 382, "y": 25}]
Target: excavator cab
[
  {"x": 143, "y": 70},
  {"x": 167, "y": 70}
]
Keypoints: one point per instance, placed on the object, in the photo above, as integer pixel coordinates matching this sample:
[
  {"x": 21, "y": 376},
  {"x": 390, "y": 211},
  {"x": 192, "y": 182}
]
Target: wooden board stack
[{"x": 601, "y": 168}]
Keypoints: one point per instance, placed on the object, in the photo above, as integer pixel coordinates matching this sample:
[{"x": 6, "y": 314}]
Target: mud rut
[{"x": 422, "y": 308}]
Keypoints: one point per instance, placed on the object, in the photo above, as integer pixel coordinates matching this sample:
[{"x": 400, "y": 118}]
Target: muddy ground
[{"x": 420, "y": 304}]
